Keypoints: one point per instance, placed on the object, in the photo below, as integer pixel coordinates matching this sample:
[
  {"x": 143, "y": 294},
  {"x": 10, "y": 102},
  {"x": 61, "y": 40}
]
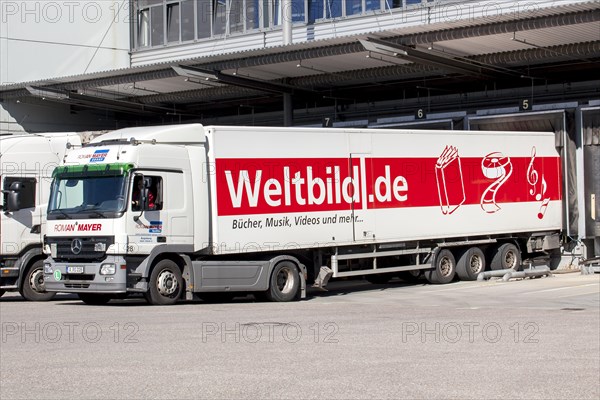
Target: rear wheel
[
  {"x": 166, "y": 284},
  {"x": 470, "y": 264},
  {"x": 507, "y": 256},
  {"x": 94, "y": 299},
  {"x": 444, "y": 268},
  {"x": 284, "y": 283},
  {"x": 33, "y": 287}
]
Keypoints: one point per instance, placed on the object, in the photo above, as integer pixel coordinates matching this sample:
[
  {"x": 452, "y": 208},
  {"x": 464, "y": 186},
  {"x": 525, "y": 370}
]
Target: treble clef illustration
[
  {"x": 533, "y": 179},
  {"x": 532, "y": 174}
]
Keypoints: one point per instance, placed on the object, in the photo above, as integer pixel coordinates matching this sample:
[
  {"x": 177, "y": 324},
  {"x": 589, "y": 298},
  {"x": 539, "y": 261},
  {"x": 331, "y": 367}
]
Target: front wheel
[
  {"x": 166, "y": 284},
  {"x": 444, "y": 268},
  {"x": 33, "y": 287},
  {"x": 284, "y": 283}
]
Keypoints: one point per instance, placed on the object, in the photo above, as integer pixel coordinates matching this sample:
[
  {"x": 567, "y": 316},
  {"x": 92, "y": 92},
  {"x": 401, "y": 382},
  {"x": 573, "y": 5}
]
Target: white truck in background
[
  {"x": 253, "y": 209},
  {"x": 26, "y": 165}
]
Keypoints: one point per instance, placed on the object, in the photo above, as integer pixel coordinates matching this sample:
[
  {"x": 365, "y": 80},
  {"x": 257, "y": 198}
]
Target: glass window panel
[
  {"x": 252, "y": 14},
  {"x": 219, "y": 16},
  {"x": 204, "y": 13},
  {"x": 236, "y": 16},
  {"x": 333, "y": 8},
  {"x": 298, "y": 11},
  {"x": 157, "y": 26},
  {"x": 187, "y": 20},
  {"x": 372, "y": 5},
  {"x": 173, "y": 20},
  {"x": 144, "y": 28},
  {"x": 315, "y": 10},
  {"x": 353, "y": 7}
]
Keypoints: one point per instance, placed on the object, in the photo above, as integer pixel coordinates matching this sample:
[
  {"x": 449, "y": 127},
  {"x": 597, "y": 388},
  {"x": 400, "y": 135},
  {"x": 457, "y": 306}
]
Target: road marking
[
  {"x": 578, "y": 294},
  {"x": 561, "y": 288}
]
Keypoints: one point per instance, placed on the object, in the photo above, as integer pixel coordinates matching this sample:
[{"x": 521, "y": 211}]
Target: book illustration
[
  {"x": 533, "y": 179},
  {"x": 449, "y": 177},
  {"x": 494, "y": 166}
]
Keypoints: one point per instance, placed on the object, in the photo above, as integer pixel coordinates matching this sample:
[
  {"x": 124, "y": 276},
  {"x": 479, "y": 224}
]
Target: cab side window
[{"x": 154, "y": 201}]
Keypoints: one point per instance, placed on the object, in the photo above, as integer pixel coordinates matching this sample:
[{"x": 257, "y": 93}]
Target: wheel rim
[
  {"x": 510, "y": 260},
  {"x": 167, "y": 283},
  {"x": 476, "y": 264},
  {"x": 36, "y": 281},
  {"x": 445, "y": 266},
  {"x": 285, "y": 280}
]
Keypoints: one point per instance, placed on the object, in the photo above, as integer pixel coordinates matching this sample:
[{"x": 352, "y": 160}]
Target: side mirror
[{"x": 13, "y": 197}]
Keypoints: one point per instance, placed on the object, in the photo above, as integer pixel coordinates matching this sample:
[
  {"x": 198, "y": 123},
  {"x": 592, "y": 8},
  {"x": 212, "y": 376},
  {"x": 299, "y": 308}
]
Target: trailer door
[{"x": 363, "y": 217}]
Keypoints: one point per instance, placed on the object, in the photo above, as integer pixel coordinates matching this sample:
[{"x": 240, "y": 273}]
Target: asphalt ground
[{"x": 526, "y": 339}]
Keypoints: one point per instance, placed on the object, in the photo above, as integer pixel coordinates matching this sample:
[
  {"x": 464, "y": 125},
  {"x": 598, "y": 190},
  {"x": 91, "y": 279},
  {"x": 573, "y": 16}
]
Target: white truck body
[
  {"x": 28, "y": 159},
  {"x": 234, "y": 202}
]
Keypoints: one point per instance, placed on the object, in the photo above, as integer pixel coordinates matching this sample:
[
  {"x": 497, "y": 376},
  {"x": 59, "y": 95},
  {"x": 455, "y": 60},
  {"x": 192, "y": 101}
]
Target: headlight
[
  {"x": 100, "y": 247},
  {"x": 48, "y": 268},
  {"x": 108, "y": 269}
]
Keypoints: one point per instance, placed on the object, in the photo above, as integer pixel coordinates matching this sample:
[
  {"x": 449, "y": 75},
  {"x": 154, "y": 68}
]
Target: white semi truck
[
  {"x": 264, "y": 210},
  {"x": 26, "y": 165}
]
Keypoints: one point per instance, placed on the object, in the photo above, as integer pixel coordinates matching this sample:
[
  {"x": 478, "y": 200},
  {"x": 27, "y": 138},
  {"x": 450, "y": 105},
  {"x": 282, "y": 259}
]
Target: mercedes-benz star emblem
[{"x": 76, "y": 246}]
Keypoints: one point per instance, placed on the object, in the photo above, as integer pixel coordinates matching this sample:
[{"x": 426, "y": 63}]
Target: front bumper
[{"x": 87, "y": 278}]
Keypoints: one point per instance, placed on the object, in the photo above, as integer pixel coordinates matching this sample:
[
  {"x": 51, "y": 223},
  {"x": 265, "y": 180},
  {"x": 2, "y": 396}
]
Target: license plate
[{"x": 74, "y": 270}]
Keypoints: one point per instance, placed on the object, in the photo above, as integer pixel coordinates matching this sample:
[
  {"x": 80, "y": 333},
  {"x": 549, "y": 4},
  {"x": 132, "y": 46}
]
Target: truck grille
[
  {"x": 86, "y": 248},
  {"x": 77, "y": 285}
]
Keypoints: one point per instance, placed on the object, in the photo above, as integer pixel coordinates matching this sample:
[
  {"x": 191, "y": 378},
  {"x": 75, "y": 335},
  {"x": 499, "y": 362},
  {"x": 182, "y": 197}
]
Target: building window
[
  {"x": 187, "y": 20},
  {"x": 173, "y": 22},
  {"x": 170, "y": 22}
]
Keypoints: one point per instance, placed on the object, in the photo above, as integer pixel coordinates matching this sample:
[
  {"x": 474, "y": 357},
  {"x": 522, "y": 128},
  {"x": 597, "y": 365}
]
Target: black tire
[
  {"x": 284, "y": 284},
  {"x": 32, "y": 286},
  {"x": 166, "y": 284},
  {"x": 470, "y": 264},
  {"x": 94, "y": 299},
  {"x": 506, "y": 256},
  {"x": 379, "y": 279},
  {"x": 444, "y": 268}
]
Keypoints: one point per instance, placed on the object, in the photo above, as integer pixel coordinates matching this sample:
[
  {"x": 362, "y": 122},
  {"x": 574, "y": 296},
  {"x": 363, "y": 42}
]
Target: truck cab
[{"x": 27, "y": 162}]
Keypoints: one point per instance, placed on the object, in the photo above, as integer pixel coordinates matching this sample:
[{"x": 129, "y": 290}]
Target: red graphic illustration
[
  {"x": 532, "y": 179},
  {"x": 450, "y": 184},
  {"x": 494, "y": 166}
]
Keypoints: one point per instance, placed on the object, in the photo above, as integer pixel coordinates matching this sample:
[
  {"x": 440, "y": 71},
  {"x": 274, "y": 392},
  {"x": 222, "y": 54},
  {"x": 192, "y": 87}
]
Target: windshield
[{"x": 87, "y": 197}]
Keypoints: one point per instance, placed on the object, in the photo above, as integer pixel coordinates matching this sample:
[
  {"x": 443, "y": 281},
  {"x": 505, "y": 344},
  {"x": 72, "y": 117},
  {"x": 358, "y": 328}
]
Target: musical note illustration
[{"x": 533, "y": 179}]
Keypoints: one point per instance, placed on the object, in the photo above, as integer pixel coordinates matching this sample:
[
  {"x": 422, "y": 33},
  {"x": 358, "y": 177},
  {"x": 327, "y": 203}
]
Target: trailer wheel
[
  {"x": 507, "y": 256},
  {"x": 470, "y": 264},
  {"x": 94, "y": 299},
  {"x": 284, "y": 283},
  {"x": 166, "y": 284},
  {"x": 32, "y": 287},
  {"x": 444, "y": 268}
]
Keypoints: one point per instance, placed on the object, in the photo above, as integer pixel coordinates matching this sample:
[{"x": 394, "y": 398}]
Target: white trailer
[
  {"x": 255, "y": 209},
  {"x": 26, "y": 165}
]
